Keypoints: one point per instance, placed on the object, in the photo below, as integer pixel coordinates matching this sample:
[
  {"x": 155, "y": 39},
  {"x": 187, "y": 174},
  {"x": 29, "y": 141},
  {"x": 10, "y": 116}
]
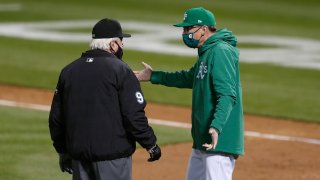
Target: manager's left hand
[{"x": 214, "y": 137}]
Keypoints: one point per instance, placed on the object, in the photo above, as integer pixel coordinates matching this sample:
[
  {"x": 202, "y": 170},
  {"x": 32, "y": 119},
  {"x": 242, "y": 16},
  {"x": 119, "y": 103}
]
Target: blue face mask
[{"x": 189, "y": 40}]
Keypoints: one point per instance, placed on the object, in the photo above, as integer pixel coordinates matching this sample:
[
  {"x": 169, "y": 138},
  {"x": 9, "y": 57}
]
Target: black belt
[{"x": 235, "y": 156}]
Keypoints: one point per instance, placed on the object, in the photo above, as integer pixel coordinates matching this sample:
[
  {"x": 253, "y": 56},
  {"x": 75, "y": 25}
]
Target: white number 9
[{"x": 139, "y": 97}]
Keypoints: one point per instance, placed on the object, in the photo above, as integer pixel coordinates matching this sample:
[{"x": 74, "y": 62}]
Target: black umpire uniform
[{"x": 97, "y": 112}]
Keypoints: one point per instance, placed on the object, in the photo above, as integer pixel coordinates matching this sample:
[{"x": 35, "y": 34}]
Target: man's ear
[
  {"x": 112, "y": 46},
  {"x": 204, "y": 30}
]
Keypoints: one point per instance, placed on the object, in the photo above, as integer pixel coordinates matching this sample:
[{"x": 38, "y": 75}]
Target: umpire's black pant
[{"x": 118, "y": 169}]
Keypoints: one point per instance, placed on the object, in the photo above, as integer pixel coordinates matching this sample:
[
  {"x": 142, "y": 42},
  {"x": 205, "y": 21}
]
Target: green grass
[
  {"x": 281, "y": 17},
  {"x": 26, "y": 150},
  {"x": 281, "y": 92}
]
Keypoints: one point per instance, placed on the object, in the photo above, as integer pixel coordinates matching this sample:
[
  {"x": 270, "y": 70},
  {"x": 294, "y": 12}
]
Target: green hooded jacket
[{"x": 216, "y": 93}]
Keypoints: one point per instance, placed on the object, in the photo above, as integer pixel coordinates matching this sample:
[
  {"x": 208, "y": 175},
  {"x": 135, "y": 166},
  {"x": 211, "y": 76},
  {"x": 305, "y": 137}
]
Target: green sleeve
[
  {"x": 179, "y": 79},
  {"x": 224, "y": 84}
]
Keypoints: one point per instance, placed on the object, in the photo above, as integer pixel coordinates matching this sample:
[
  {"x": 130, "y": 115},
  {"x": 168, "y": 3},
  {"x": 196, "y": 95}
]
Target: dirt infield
[{"x": 264, "y": 159}]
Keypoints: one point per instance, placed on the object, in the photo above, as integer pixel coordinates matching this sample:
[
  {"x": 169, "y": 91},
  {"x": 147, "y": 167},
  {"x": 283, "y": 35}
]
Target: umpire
[{"x": 97, "y": 113}]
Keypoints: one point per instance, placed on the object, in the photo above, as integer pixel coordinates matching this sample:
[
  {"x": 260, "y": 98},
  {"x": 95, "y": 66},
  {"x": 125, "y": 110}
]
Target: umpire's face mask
[{"x": 119, "y": 52}]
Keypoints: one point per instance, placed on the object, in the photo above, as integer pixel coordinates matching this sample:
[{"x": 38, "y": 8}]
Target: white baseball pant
[{"x": 206, "y": 166}]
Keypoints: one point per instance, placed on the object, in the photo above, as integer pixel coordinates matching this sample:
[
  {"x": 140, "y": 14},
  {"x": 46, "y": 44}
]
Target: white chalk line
[
  {"x": 10, "y": 7},
  {"x": 174, "y": 124},
  {"x": 24, "y": 105},
  {"x": 155, "y": 38}
]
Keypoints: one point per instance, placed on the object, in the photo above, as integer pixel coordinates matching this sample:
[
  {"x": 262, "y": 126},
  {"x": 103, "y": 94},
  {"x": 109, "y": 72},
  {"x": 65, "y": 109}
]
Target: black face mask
[{"x": 119, "y": 53}]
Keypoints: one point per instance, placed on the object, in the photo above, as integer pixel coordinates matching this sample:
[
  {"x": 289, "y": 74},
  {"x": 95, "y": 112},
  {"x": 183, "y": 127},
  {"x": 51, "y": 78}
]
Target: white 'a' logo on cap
[
  {"x": 185, "y": 16},
  {"x": 199, "y": 21}
]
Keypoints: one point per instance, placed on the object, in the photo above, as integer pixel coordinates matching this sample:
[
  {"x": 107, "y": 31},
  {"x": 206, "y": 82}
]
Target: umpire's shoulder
[
  {"x": 69, "y": 67},
  {"x": 120, "y": 65}
]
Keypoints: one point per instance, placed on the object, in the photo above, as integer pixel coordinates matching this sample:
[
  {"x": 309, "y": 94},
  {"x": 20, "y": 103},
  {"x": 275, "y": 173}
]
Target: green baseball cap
[{"x": 197, "y": 16}]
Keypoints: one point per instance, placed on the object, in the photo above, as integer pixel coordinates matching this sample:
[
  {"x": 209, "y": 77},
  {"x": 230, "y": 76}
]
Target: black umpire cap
[{"x": 108, "y": 28}]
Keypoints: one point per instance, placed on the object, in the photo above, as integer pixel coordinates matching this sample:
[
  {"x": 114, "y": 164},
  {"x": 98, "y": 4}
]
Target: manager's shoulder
[
  {"x": 222, "y": 45},
  {"x": 225, "y": 48}
]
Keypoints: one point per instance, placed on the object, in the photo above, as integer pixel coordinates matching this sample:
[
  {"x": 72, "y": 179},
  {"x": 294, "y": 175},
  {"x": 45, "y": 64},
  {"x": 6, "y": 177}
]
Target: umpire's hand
[
  {"x": 155, "y": 153},
  {"x": 65, "y": 162}
]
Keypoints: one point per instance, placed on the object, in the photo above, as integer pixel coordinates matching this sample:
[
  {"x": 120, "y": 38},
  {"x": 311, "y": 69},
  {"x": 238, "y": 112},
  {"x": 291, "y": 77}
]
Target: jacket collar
[
  {"x": 97, "y": 53},
  {"x": 221, "y": 35}
]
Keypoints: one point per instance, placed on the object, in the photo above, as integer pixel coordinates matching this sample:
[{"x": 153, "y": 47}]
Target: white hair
[{"x": 103, "y": 44}]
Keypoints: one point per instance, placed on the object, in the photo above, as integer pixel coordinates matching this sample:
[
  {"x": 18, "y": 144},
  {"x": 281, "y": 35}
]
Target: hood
[{"x": 221, "y": 35}]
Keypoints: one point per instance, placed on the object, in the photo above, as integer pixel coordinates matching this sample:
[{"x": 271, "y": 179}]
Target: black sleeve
[
  {"x": 56, "y": 121},
  {"x": 132, "y": 104}
]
